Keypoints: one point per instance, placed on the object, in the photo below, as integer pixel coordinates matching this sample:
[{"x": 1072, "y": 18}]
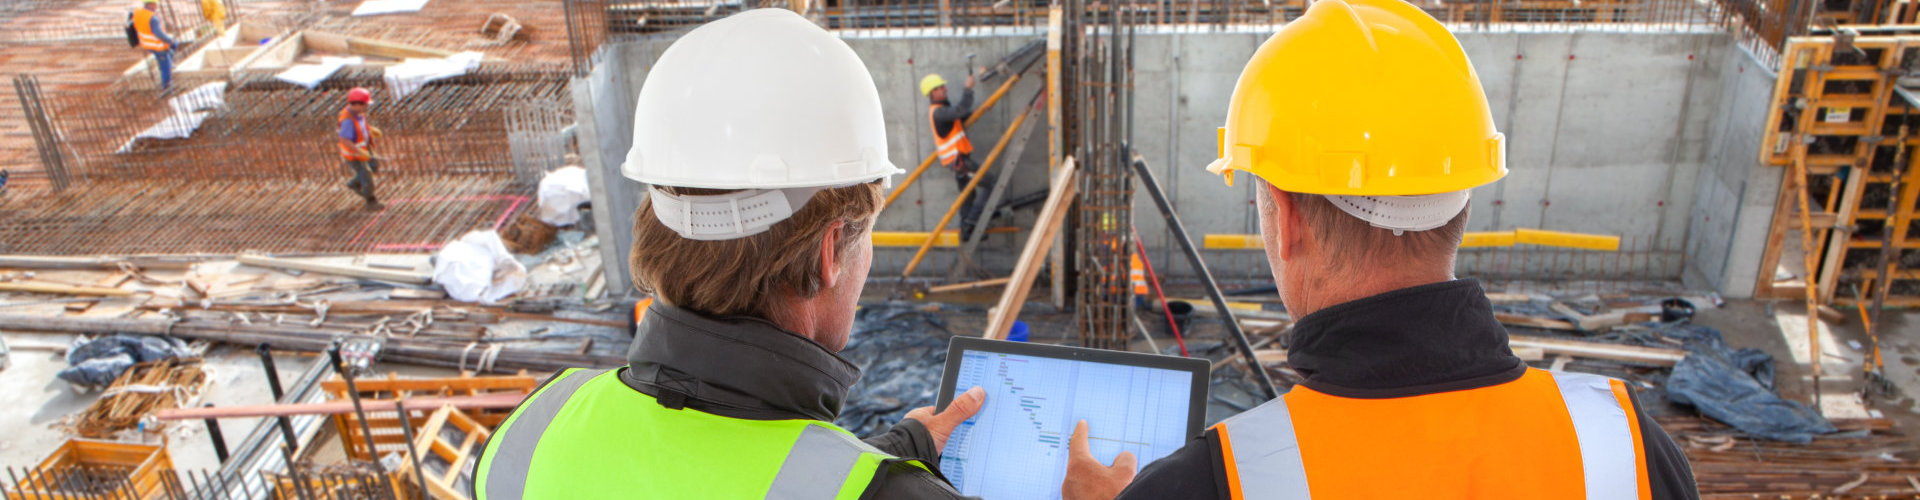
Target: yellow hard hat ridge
[
  {"x": 930, "y": 82},
  {"x": 1393, "y": 108}
]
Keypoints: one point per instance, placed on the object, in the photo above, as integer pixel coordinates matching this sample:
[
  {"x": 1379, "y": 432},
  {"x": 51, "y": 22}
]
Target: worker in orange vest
[
  {"x": 356, "y": 144},
  {"x": 1363, "y": 170},
  {"x": 948, "y": 120},
  {"x": 154, "y": 40}
]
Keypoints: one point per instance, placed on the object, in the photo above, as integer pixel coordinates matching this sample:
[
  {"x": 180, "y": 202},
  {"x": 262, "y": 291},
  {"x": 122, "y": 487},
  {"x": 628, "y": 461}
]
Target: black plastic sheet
[
  {"x": 1735, "y": 387},
  {"x": 97, "y": 362},
  {"x": 901, "y": 350}
]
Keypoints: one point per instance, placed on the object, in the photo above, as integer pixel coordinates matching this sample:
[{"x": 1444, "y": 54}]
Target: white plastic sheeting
[
  {"x": 377, "y": 7},
  {"x": 310, "y": 75},
  {"x": 478, "y": 268},
  {"x": 189, "y": 110},
  {"x": 407, "y": 77},
  {"x": 561, "y": 193}
]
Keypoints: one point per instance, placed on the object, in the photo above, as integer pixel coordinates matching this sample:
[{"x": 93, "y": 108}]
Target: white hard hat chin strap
[{"x": 738, "y": 214}]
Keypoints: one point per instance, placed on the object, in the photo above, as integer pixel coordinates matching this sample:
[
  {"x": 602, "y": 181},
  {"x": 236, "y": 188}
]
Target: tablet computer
[{"x": 1016, "y": 447}]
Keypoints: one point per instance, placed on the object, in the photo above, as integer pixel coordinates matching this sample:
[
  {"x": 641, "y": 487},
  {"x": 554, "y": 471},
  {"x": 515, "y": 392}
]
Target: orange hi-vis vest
[
  {"x": 952, "y": 145},
  {"x": 1547, "y": 435},
  {"x": 143, "y": 24},
  {"x": 360, "y": 137}
]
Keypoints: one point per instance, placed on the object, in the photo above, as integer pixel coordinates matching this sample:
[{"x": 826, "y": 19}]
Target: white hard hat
[{"x": 762, "y": 101}]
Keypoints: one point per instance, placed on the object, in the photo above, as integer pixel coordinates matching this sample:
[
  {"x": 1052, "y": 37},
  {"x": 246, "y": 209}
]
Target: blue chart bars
[{"x": 1016, "y": 447}]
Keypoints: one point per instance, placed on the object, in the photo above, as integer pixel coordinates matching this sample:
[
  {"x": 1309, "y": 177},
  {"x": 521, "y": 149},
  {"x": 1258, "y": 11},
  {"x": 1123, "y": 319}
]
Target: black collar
[
  {"x": 1426, "y": 339},
  {"x": 737, "y": 367}
]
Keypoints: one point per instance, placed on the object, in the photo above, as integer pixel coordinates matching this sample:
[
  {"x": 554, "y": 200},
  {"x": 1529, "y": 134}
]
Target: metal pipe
[
  {"x": 366, "y": 430},
  {"x": 279, "y": 394},
  {"x": 413, "y": 453},
  {"x": 1146, "y": 179},
  {"x": 219, "y": 439}
]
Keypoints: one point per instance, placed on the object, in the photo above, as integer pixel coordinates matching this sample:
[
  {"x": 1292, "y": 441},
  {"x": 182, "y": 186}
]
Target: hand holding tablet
[{"x": 1036, "y": 395}]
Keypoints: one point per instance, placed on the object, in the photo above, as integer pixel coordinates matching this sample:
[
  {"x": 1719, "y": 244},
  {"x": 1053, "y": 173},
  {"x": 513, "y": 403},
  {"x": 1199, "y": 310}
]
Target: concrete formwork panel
[{"x": 1733, "y": 206}]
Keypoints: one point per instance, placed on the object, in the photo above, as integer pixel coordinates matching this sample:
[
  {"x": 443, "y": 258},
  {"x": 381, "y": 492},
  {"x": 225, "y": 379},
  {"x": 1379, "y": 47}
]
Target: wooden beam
[
  {"x": 64, "y": 289},
  {"x": 1534, "y": 322},
  {"x": 338, "y": 270},
  {"x": 107, "y": 263},
  {"x": 1583, "y": 349},
  {"x": 489, "y": 401},
  {"x": 1038, "y": 242},
  {"x": 969, "y": 286}
]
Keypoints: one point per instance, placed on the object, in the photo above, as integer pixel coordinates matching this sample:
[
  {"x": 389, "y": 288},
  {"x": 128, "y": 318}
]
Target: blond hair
[{"x": 743, "y": 276}]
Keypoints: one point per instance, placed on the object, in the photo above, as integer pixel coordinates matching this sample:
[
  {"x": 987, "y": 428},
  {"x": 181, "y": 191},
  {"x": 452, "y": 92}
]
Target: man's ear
[
  {"x": 829, "y": 261},
  {"x": 1293, "y": 229}
]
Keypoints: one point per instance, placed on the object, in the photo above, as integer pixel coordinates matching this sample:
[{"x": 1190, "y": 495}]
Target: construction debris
[
  {"x": 143, "y": 391},
  {"x": 103, "y": 361}
]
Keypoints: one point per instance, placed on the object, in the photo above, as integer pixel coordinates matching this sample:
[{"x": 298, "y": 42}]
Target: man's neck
[{"x": 1328, "y": 292}]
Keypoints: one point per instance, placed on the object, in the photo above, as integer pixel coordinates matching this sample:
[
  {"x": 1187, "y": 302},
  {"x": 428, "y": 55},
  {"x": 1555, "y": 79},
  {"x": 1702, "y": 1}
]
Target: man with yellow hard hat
[
  {"x": 948, "y": 120},
  {"x": 1364, "y": 127}
]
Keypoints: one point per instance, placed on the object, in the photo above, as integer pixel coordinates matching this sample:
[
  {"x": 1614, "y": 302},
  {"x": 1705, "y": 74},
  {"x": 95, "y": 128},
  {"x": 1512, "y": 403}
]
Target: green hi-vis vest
[{"x": 587, "y": 435}]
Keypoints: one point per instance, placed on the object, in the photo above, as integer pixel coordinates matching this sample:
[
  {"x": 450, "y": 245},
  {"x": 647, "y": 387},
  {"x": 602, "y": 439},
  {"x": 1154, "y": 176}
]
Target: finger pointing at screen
[
  {"x": 941, "y": 425},
  {"x": 1087, "y": 478}
]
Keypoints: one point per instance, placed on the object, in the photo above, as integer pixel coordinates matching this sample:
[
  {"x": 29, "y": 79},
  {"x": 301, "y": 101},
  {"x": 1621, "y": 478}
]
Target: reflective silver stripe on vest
[
  {"x": 821, "y": 461},
  {"x": 507, "y": 466},
  {"x": 1607, "y": 454},
  {"x": 1265, "y": 454}
]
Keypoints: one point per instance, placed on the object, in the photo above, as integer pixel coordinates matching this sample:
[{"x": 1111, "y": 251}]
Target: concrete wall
[
  {"x": 1734, "y": 202},
  {"x": 1609, "y": 133}
]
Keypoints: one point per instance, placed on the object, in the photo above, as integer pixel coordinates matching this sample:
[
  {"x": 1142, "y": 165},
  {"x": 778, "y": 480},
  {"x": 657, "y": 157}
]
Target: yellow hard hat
[
  {"x": 932, "y": 81},
  {"x": 1363, "y": 98}
]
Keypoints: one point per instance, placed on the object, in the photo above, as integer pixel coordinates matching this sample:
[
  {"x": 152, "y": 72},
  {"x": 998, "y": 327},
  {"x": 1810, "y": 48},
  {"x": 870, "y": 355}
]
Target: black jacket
[
  {"x": 1423, "y": 340},
  {"x": 748, "y": 368}
]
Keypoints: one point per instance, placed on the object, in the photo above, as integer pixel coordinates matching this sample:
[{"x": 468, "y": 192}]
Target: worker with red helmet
[{"x": 356, "y": 144}]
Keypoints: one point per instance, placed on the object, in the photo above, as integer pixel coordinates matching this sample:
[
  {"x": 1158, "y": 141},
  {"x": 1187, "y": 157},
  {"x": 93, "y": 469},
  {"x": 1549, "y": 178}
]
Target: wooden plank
[
  {"x": 1508, "y": 298},
  {"x": 320, "y": 41},
  {"x": 969, "y": 286},
  {"x": 1534, "y": 322},
  {"x": 489, "y": 401},
  {"x": 107, "y": 263},
  {"x": 260, "y": 58},
  {"x": 1038, "y": 242},
  {"x": 338, "y": 270},
  {"x": 64, "y": 289},
  {"x": 1626, "y": 353}
]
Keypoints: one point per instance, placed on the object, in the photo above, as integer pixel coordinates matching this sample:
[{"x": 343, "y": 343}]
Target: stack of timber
[
  {"x": 144, "y": 389},
  {"x": 1862, "y": 461}
]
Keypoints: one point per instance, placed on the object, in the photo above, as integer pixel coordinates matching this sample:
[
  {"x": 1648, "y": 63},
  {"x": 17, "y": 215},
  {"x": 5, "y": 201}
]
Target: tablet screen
[{"x": 1016, "y": 447}]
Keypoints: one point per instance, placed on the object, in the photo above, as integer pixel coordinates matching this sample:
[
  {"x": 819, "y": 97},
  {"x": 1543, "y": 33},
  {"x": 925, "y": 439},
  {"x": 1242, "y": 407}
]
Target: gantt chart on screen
[{"x": 1016, "y": 447}]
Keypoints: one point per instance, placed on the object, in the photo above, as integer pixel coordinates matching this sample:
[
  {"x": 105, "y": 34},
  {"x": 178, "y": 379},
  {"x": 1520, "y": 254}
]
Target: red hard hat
[{"x": 359, "y": 95}]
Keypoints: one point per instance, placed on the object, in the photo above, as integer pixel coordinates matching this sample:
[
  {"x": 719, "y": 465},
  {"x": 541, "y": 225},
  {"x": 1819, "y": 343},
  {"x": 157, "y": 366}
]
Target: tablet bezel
[{"x": 1198, "y": 367}]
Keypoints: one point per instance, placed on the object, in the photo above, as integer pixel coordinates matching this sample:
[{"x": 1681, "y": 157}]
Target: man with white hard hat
[
  {"x": 1363, "y": 127},
  {"x": 755, "y": 242}
]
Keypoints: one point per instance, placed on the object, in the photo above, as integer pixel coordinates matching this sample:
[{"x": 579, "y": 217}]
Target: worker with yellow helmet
[
  {"x": 1363, "y": 127},
  {"x": 947, "y": 120}
]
